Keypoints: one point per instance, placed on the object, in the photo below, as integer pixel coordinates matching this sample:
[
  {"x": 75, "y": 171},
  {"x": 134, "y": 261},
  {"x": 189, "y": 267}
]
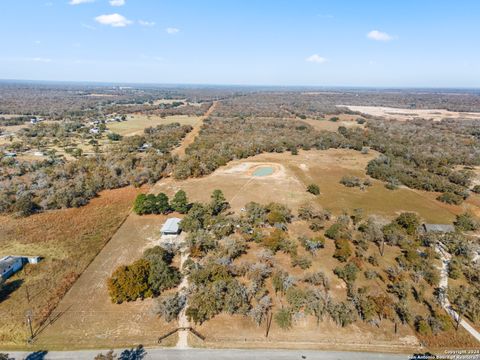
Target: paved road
[{"x": 227, "y": 354}]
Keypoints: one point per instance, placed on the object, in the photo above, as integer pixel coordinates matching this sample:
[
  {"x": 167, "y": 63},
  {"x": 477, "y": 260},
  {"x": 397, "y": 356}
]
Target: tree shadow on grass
[{"x": 8, "y": 288}]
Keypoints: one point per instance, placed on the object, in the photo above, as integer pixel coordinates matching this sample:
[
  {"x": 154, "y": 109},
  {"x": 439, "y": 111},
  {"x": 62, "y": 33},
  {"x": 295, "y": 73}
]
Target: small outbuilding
[
  {"x": 437, "y": 228},
  {"x": 171, "y": 227}
]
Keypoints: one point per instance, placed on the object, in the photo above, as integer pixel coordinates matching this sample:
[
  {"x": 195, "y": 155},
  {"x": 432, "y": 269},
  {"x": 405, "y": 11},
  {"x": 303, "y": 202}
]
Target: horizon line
[{"x": 218, "y": 85}]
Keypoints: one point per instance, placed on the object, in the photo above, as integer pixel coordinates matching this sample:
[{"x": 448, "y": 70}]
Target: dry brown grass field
[
  {"x": 89, "y": 319},
  {"x": 410, "y": 114},
  {"x": 293, "y": 173},
  {"x": 68, "y": 240},
  {"x": 136, "y": 123}
]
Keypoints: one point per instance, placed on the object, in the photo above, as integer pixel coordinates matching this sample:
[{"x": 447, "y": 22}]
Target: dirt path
[
  {"x": 190, "y": 138},
  {"x": 443, "y": 284},
  {"x": 183, "y": 322}
]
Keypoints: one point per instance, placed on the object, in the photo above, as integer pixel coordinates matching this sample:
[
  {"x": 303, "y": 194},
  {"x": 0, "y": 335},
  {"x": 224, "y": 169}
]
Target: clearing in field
[
  {"x": 410, "y": 114},
  {"x": 136, "y": 123}
]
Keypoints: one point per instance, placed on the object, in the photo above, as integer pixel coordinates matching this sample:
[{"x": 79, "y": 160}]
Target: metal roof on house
[
  {"x": 171, "y": 225},
  {"x": 7, "y": 262},
  {"x": 442, "y": 228}
]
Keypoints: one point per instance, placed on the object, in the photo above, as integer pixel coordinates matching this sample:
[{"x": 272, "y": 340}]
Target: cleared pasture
[{"x": 136, "y": 123}]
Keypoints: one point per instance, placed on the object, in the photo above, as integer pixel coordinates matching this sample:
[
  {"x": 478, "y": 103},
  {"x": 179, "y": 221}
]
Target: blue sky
[{"x": 264, "y": 42}]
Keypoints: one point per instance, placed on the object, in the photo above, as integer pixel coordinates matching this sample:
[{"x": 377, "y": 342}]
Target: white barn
[{"x": 171, "y": 227}]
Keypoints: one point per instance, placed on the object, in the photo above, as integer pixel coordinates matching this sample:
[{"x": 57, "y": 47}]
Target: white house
[{"x": 171, "y": 227}]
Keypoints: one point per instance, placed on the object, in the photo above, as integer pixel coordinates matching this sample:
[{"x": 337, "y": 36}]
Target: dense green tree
[
  {"x": 138, "y": 204},
  {"x": 195, "y": 218},
  {"x": 162, "y": 205},
  {"x": 162, "y": 276},
  {"x": 218, "y": 202},
  {"x": 128, "y": 283},
  {"x": 179, "y": 202},
  {"x": 409, "y": 221}
]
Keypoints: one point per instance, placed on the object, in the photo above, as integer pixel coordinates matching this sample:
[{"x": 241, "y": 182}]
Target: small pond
[{"x": 263, "y": 171}]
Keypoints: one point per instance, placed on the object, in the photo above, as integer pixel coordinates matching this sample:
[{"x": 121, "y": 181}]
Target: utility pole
[
  {"x": 269, "y": 323},
  {"x": 29, "y": 323}
]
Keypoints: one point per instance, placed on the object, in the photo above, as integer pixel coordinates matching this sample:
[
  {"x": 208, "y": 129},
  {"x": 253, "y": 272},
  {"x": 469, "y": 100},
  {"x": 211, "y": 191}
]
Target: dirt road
[{"x": 190, "y": 138}]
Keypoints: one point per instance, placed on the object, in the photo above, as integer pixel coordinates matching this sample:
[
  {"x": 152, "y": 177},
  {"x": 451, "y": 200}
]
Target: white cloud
[
  {"x": 115, "y": 20},
  {"x": 315, "y": 58},
  {"x": 117, "y": 2},
  {"x": 78, "y": 2},
  {"x": 40, "y": 59},
  {"x": 172, "y": 30},
  {"x": 89, "y": 27},
  {"x": 146, "y": 23},
  {"x": 379, "y": 36}
]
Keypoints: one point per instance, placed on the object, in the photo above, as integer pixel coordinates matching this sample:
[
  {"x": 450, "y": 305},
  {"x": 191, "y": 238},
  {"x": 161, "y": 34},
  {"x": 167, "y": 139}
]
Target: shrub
[
  {"x": 312, "y": 244},
  {"x": 466, "y": 222},
  {"x": 476, "y": 189},
  {"x": 302, "y": 262},
  {"x": 450, "y": 198},
  {"x": 283, "y": 318},
  {"x": 114, "y": 136},
  {"x": 342, "y": 250},
  {"x": 313, "y": 189},
  {"x": 25, "y": 206},
  {"x": 316, "y": 224},
  {"x": 348, "y": 273},
  {"x": 336, "y": 231},
  {"x": 422, "y": 326},
  {"x": 409, "y": 221},
  {"x": 350, "y": 181},
  {"x": 278, "y": 214},
  {"x": 275, "y": 240}
]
